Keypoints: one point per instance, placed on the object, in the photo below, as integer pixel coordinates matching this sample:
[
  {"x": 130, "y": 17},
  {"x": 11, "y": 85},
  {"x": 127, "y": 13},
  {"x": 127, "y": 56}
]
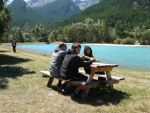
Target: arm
[{"x": 90, "y": 58}]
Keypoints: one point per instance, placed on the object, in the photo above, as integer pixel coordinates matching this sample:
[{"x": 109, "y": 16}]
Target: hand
[
  {"x": 82, "y": 57},
  {"x": 97, "y": 60},
  {"x": 94, "y": 60}
]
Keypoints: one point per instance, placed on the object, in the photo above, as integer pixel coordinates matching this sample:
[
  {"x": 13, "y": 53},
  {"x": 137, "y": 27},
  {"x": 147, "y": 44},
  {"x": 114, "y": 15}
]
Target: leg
[
  {"x": 78, "y": 93},
  {"x": 50, "y": 81},
  {"x": 109, "y": 78},
  {"x": 13, "y": 49},
  {"x": 102, "y": 73},
  {"x": 59, "y": 83},
  {"x": 85, "y": 94}
]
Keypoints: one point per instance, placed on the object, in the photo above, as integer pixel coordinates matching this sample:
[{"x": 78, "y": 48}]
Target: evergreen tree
[{"x": 5, "y": 18}]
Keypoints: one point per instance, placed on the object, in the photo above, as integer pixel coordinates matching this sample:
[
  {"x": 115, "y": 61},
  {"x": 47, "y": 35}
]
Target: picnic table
[
  {"x": 91, "y": 82},
  {"x": 100, "y": 67}
]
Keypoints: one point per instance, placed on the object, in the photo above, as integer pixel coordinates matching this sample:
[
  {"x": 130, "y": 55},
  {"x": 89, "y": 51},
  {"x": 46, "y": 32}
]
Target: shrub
[
  {"x": 118, "y": 41},
  {"x": 128, "y": 41}
]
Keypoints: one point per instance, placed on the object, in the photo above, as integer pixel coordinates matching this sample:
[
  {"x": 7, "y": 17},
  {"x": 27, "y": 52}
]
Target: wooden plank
[
  {"x": 95, "y": 83},
  {"x": 98, "y": 64},
  {"x": 112, "y": 77},
  {"x": 47, "y": 73},
  {"x": 101, "y": 83},
  {"x": 104, "y": 76}
]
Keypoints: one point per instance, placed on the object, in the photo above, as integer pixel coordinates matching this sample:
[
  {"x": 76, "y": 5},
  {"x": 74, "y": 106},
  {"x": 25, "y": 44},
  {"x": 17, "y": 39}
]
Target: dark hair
[
  {"x": 62, "y": 44},
  {"x": 89, "y": 55},
  {"x": 75, "y": 45}
]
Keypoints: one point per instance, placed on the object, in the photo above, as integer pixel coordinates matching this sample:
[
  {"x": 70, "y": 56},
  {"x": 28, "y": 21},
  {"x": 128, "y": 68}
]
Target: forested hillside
[
  {"x": 44, "y": 15},
  {"x": 130, "y": 13},
  {"x": 110, "y": 21},
  {"x": 57, "y": 10},
  {"x": 22, "y": 14}
]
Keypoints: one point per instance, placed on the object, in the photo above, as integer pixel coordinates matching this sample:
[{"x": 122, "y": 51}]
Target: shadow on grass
[
  {"x": 3, "y": 83},
  {"x": 3, "y": 51},
  {"x": 102, "y": 96},
  {"x": 7, "y": 71},
  {"x": 11, "y": 72},
  {"x": 9, "y": 60}
]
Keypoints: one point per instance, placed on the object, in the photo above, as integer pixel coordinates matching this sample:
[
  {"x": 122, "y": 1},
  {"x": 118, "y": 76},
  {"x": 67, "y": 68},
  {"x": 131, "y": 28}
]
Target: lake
[{"x": 129, "y": 57}]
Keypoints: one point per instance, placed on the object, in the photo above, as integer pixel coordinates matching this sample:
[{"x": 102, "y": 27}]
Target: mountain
[
  {"x": 45, "y": 15},
  {"x": 57, "y": 10},
  {"x": 36, "y": 3},
  {"x": 130, "y": 13},
  {"x": 22, "y": 14},
  {"x": 82, "y": 4}
]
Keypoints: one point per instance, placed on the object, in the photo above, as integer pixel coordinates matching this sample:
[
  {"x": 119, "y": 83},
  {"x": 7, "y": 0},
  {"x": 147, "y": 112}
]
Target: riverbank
[
  {"x": 118, "y": 45},
  {"x": 99, "y": 44},
  {"x": 23, "y": 89}
]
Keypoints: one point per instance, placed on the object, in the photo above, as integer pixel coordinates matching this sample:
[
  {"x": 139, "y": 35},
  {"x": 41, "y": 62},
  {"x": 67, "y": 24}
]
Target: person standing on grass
[
  {"x": 69, "y": 70},
  {"x": 56, "y": 61},
  {"x": 14, "y": 46}
]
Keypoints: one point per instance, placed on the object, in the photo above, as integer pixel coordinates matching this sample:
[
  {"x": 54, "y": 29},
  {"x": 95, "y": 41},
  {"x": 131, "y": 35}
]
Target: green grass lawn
[{"x": 23, "y": 89}]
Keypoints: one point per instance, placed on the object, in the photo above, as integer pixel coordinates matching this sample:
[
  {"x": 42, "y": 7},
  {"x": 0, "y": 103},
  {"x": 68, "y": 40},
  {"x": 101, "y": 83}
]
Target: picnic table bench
[{"x": 91, "y": 82}]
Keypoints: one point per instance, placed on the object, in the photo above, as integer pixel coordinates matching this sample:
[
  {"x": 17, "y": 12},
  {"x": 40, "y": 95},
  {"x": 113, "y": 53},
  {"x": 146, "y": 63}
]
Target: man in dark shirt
[
  {"x": 72, "y": 62},
  {"x": 14, "y": 46}
]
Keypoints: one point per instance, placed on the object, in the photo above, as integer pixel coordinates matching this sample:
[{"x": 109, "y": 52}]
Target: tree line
[
  {"x": 88, "y": 31},
  {"x": 5, "y": 18}
]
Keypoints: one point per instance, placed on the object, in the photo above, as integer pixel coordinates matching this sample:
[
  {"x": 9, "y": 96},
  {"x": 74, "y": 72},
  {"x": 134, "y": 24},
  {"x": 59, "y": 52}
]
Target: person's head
[
  {"x": 63, "y": 46},
  {"x": 87, "y": 51},
  {"x": 76, "y": 48}
]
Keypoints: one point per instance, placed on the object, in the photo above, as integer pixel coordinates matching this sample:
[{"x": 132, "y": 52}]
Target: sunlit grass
[{"x": 23, "y": 89}]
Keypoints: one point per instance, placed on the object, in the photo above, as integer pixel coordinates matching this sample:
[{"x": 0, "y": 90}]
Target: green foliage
[
  {"x": 128, "y": 41},
  {"x": 86, "y": 31},
  {"x": 5, "y": 18},
  {"x": 141, "y": 34},
  {"x": 118, "y": 41},
  {"x": 45, "y": 15},
  {"x": 146, "y": 37},
  {"x": 110, "y": 21},
  {"x": 127, "y": 13}
]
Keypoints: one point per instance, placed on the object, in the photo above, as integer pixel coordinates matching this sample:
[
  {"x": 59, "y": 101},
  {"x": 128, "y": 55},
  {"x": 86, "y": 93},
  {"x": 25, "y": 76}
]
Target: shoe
[
  {"x": 65, "y": 91},
  {"x": 60, "y": 88}
]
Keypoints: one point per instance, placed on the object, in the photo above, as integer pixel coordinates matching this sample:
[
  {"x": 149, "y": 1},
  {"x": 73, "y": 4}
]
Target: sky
[{"x": 12, "y": 0}]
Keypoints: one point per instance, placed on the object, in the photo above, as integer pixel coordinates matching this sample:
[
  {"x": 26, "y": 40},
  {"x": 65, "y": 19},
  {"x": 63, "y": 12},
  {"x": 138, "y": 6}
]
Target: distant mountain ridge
[
  {"x": 130, "y": 13},
  {"x": 82, "y": 4},
  {"x": 45, "y": 15}
]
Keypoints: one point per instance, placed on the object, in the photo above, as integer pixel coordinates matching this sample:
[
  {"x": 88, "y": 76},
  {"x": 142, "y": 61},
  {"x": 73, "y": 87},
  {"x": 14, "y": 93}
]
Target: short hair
[
  {"x": 62, "y": 44},
  {"x": 75, "y": 45}
]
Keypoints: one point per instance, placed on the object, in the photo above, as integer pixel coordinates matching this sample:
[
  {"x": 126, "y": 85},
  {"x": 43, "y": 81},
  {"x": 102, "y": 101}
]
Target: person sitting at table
[
  {"x": 88, "y": 54},
  {"x": 69, "y": 70},
  {"x": 56, "y": 61}
]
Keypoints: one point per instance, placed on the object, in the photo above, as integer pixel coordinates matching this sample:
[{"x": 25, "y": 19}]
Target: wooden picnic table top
[{"x": 98, "y": 64}]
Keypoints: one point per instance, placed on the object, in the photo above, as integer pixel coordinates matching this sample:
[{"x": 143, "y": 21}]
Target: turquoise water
[{"x": 133, "y": 58}]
